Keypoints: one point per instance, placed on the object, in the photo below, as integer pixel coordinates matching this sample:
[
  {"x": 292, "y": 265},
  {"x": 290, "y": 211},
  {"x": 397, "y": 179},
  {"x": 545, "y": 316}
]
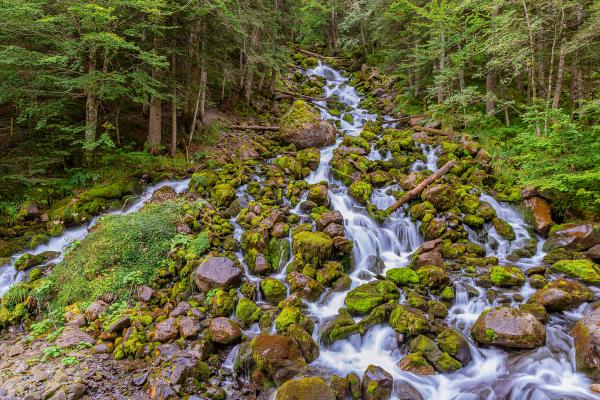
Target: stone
[
  {"x": 217, "y": 272},
  {"x": 553, "y": 299},
  {"x": 507, "y": 276},
  {"x": 319, "y": 194},
  {"x": 334, "y": 230},
  {"x": 305, "y": 389},
  {"x": 73, "y": 336},
  {"x": 144, "y": 293},
  {"x": 278, "y": 356},
  {"x": 273, "y": 290},
  {"x": 433, "y": 277},
  {"x": 377, "y": 383},
  {"x": 585, "y": 270},
  {"x": 95, "y": 309},
  {"x": 364, "y": 298},
  {"x": 182, "y": 308},
  {"x": 188, "y": 327},
  {"x": 509, "y": 327},
  {"x": 574, "y": 236},
  {"x": 166, "y": 330},
  {"x": 440, "y": 195},
  {"x": 407, "y": 320},
  {"x": 375, "y": 264},
  {"x": 303, "y": 126},
  {"x": 159, "y": 389},
  {"x": 578, "y": 292},
  {"x": 313, "y": 247},
  {"x": 224, "y": 331},
  {"x": 541, "y": 212},
  {"x": 433, "y": 257},
  {"x": 120, "y": 324},
  {"x": 416, "y": 363},
  {"x": 504, "y": 229},
  {"x": 306, "y": 286},
  {"x": 586, "y": 336},
  {"x": 402, "y": 276},
  {"x": 455, "y": 344},
  {"x": 308, "y": 346},
  {"x": 425, "y": 346}
]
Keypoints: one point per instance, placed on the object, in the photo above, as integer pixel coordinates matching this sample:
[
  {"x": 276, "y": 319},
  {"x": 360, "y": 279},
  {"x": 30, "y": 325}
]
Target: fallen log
[
  {"x": 391, "y": 121},
  {"x": 432, "y": 130},
  {"x": 411, "y": 194},
  {"x": 304, "y": 97},
  {"x": 253, "y": 127}
]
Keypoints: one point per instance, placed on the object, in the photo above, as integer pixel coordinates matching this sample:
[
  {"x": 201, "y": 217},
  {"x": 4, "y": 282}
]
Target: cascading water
[
  {"x": 545, "y": 373},
  {"x": 59, "y": 244}
]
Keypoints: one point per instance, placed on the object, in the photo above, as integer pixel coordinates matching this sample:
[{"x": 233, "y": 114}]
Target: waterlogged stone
[
  {"x": 278, "y": 356},
  {"x": 509, "y": 327},
  {"x": 402, "y": 276},
  {"x": 305, "y": 389},
  {"x": 377, "y": 383},
  {"x": 507, "y": 276},
  {"x": 313, "y": 247},
  {"x": 417, "y": 364},
  {"x": 366, "y": 297},
  {"x": 217, "y": 272},
  {"x": 553, "y": 299},
  {"x": 224, "y": 331},
  {"x": 302, "y": 126},
  {"x": 408, "y": 320},
  {"x": 586, "y": 335},
  {"x": 585, "y": 270}
]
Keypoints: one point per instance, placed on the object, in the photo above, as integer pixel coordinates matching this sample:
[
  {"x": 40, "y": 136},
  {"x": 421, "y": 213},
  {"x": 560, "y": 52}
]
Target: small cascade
[{"x": 9, "y": 276}]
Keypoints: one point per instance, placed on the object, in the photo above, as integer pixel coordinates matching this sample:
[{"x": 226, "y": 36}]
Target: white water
[
  {"x": 545, "y": 373},
  {"x": 9, "y": 276}
]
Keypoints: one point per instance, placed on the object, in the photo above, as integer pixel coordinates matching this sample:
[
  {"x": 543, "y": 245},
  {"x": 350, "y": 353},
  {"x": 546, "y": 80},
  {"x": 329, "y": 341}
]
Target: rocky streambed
[{"x": 294, "y": 282}]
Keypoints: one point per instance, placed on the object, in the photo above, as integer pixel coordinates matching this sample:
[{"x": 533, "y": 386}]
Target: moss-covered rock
[
  {"x": 442, "y": 196},
  {"x": 273, "y": 290},
  {"x": 319, "y": 194},
  {"x": 402, "y": 276},
  {"x": 220, "y": 302},
  {"x": 247, "y": 311},
  {"x": 278, "y": 356},
  {"x": 473, "y": 221},
  {"x": 313, "y": 247},
  {"x": 203, "y": 181},
  {"x": 486, "y": 211},
  {"x": 507, "y": 276},
  {"x": 585, "y": 270},
  {"x": 455, "y": 344},
  {"x": 366, "y": 297},
  {"x": 377, "y": 384},
  {"x": 504, "y": 229},
  {"x": 223, "y": 194},
  {"x": 309, "y": 157},
  {"x": 360, "y": 191},
  {"x": 416, "y": 363},
  {"x": 27, "y": 260},
  {"x": 305, "y": 286},
  {"x": 407, "y": 320},
  {"x": 446, "y": 363},
  {"x": 508, "y": 327},
  {"x": 433, "y": 277},
  {"x": 340, "y": 327},
  {"x": 305, "y": 389},
  {"x": 302, "y": 126}
]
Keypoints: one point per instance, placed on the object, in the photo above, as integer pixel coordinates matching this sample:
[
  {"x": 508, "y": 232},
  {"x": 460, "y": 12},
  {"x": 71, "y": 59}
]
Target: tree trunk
[
  {"x": 202, "y": 99},
  {"x": 173, "y": 149},
  {"x": 441, "y": 67},
  {"x": 193, "y": 74},
  {"x": 559, "y": 78},
  {"x": 91, "y": 105},
  {"x": 117, "y": 130},
  {"x": 273, "y": 82},
  {"x": 155, "y": 124},
  {"x": 490, "y": 88}
]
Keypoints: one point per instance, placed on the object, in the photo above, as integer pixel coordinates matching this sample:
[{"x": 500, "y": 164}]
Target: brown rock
[
  {"x": 95, "y": 309},
  {"x": 279, "y": 356},
  {"x": 217, "y": 272},
  {"x": 509, "y": 327},
  {"x": 182, "y": 308},
  {"x": 302, "y": 126},
  {"x": 594, "y": 252},
  {"x": 119, "y": 325},
  {"x": 328, "y": 218},
  {"x": 278, "y": 230},
  {"x": 188, "y": 327},
  {"x": 342, "y": 245},
  {"x": 377, "y": 383},
  {"x": 586, "y": 335},
  {"x": 542, "y": 214},
  {"x": 144, "y": 293},
  {"x": 430, "y": 258},
  {"x": 334, "y": 230},
  {"x": 553, "y": 299},
  {"x": 224, "y": 331},
  {"x": 579, "y": 237},
  {"x": 72, "y": 336},
  {"x": 166, "y": 330}
]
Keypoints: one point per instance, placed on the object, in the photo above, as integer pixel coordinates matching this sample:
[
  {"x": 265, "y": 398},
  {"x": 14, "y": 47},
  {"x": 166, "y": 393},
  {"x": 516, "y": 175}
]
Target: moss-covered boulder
[
  {"x": 504, "y": 229},
  {"x": 416, "y": 363},
  {"x": 305, "y": 389},
  {"x": 574, "y": 236},
  {"x": 585, "y": 270},
  {"x": 273, "y": 290},
  {"x": 486, "y": 211},
  {"x": 377, "y": 384},
  {"x": 586, "y": 336},
  {"x": 312, "y": 247},
  {"x": 278, "y": 356},
  {"x": 339, "y": 327},
  {"x": 553, "y": 299},
  {"x": 408, "y": 320},
  {"x": 305, "y": 286},
  {"x": 578, "y": 292},
  {"x": 302, "y": 126},
  {"x": 402, "y": 276},
  {"x": 446, "y": 363},
  {"x": 309, "y": 157},
  {"x": 360, "y": 191},
  {"x": 223, "y": 194},
  {"x": 203, "y": 181},
  {"x": 27, "y": 260},
  {"x": 509, "y": 327},
  {"x": 433, "y": 277},
  {"x": 247, "y": 312},
  {"x": 455, "y": 344},
  {"x": 319, "y": 194},
  {"x": 442, "y": 196},
  {"x": 507, "y": 276},
  {"x": 290, "y": 166},
  {"x": 366, "y": 297}
]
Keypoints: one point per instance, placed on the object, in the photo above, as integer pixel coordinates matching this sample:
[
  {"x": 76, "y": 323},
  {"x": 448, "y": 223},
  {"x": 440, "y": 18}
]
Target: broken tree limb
[
  {"x": 304, "y": 97},
  {"x": 432, "y": 130},
  {"x": 311, "y": 54},
  {"x": 253, "y": 127},
  {"x": 411, "y": 194}
]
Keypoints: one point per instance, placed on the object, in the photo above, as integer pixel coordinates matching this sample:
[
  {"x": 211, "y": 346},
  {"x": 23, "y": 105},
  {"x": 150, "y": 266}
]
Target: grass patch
[{"x": 121, "y": 253}]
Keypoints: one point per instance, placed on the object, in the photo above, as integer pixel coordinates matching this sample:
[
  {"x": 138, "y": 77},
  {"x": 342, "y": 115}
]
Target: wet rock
[
  {"x": 429, "y": 258},
  {"x": 455, "y": 344},
  {"x": 334, "y": 230},
  {"x": 27, "y": 261},
  {"x": 407, "y": 320},
  {"x": 120, "y": 324},
  {"x": 302, "y": 126},
  {"x": 375, "y": 264},
  {"x": 506, "y": 276},
  {"x": 342, "y": 245},
  {"x": 261, "y": 265},
  {"x": 402, "y": 276},
  {"x": 273, "y": 290},
  {"x": 224, "y": 331},
  {"x": 305, "y": 389},
  {"x": 166, "y": 330},
  {"x": 537, "y": 310},
  {"x": 72, "y": 336},
  {"x": 338, "y": 328},
  {"x": 541, "y": 212},
  {"x": 319, "y": 194},
  {"x": 504, "y": 229},
  {"x": 306, "y": 286},
  {"x": 307, "y": 206},
  {"x": 95, "y": 309},
  {"x": 182, "y": 308},
  {"x": 578, "y": 237},
  {"x": 159, "y": 389},
  {"x": 366, "y": 297},
  {"x": 509, "y": 327},
  {"x": 405, "y": 391},
  {"x": 440, "y": 195},
  {"x": 425, "y": 346},
  {"x": 594, "y": 252},
  {"x": 144, "y": 293},
  {"x": 217, "y": 272},
  {"x": 576, "y": 290},
  {"x": 188, "y": 327},
  {"x": 537, "y": 281},
  {"x": 552, "y": 299},
  {"x": 340, "y": 386},
  {"x": 585, "y": 270},
  {"x": 586, "y": 335},
  {"x": 433, "y": 277},
  {"x": 377, "y": 383},
  {"x": 313, "y": 247},
  {"x": 308, "y": 346},
  {"x": 279, "y": 356}
]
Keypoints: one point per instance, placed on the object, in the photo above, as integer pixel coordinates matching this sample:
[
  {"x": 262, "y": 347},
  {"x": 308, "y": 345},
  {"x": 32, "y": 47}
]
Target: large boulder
[
  {"x": 509, "y": 327},
  {"x": 217, "y": 272},
  {"x": 305, "y": 389},
  {"x": 541, "y": 213},
  {"x": 585, "y": 270},
  {"x": 302, "y": 126},
  {"x": 586, "y": 335},
  {"x": 507, "y": 276},
  {"x": 553, "y": 299},
  {"x": 579, "y": 237},
  {"x": 278, "y": 356},
  {"x": 408, "y": 321},
  {"x": 440, "y": 195},
  {"x": 366, "y": 297},
  {"x": 313, "y": 247},
  {"x": 224, "y": 331},
  {"x": 578, "y": 292}
]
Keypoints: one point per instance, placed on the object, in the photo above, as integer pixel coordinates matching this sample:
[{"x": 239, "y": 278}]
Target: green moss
[
  {"x": 507, "y": 276},
  {"x": 447, "y": 294},
  {"x": 305, "y": 389},
  {"x": 366, "y": 297},
  {"x": 247, "y": 311},
  {"x": 584, "y": 270},
  {"x": 287, "y": 316},
  {"x": 432, "y": 276},
  {"x": 203, "y": 181},
  {"x": 223, "y": 194},
  {"x": 504, "y": 229},
  {"x": 473, "y": 221},
  {"x": 402, "y": 276},
  {"x": 309, "y": 157},
  {"x": 313, "y": 247},
  {"x": 27, "y": 261},
  {"x": 35, "y": 274},
  {"x": 446, "y": 363},
  {"x": 356, "y": 141},
  {"x": 273, "y": 290},
  {"x": 408, "y": 321},
  {"x": 361, "y": 191}
]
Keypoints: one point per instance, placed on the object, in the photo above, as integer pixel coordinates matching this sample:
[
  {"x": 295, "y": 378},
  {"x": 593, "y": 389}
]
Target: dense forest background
[{"x": 90, "y": 90}]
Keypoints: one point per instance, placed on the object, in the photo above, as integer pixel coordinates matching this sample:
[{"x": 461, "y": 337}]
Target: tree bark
[
  {"x": 91, "y": 105},
  {"x": 441, "y": 67},
  {"x": 490, "y": 88},
  {"x": 193, "y": 75},
  {"x": 559, "y": 78},
  {"x": 273, "y": 82},
  {"x": 411, "y": 194},
  {"x": 155, "y": 124}
]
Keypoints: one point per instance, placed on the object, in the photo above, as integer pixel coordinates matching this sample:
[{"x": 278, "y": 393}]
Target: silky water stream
[{"x": 493, "y": 374}]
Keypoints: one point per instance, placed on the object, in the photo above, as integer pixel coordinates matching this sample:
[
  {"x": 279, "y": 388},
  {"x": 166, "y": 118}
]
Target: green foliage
[
  {"x": 121, "y": 253},
  {"x": 52, "y": 352},
  {"x": 15, "y": 295},
  {"x": 69, "y": 360}
]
